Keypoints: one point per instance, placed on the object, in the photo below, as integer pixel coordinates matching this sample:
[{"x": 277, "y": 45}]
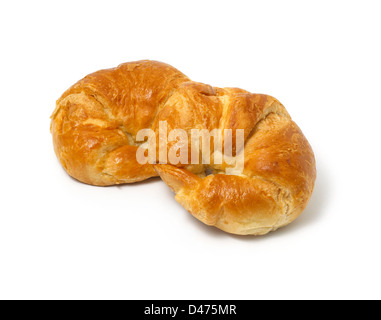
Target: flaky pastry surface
[{"x": 95, "y": 123}]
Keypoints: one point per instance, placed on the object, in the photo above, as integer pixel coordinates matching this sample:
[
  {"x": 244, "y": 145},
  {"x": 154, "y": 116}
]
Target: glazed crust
[
  {"x": 94, "y": 131},
  {"x": 96, "y": 121}
]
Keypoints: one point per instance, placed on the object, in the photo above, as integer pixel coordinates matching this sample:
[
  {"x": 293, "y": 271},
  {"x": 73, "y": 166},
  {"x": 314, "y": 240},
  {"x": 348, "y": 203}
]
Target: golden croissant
[{"x": 96, "y": 123}]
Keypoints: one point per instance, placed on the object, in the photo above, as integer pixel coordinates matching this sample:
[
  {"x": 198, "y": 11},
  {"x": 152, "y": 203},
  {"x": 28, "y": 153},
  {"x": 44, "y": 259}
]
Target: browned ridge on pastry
[{"x": 95, "y": 123}]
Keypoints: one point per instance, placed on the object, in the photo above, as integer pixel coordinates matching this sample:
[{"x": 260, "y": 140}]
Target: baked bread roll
[{"x": 95, "y": 127}]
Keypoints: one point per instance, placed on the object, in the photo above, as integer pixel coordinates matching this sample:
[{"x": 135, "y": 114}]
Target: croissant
[{"x": 96, "y": 124}]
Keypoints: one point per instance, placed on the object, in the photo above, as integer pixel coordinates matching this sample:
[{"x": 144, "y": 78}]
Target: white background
[{"x": 60, "y": 239}]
